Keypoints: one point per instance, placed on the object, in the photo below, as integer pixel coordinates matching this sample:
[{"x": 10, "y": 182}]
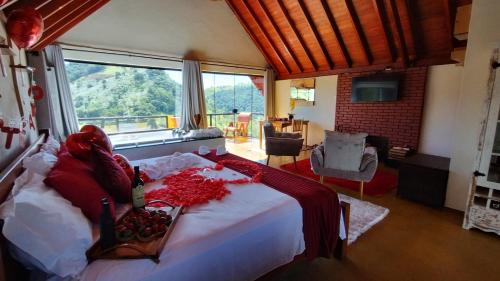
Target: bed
[{"x": 254, "y": 233}]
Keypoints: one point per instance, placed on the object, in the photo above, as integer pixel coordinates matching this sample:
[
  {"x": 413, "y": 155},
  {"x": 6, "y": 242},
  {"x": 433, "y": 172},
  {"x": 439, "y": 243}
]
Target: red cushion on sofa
[
  {"x": 111, "y": 176},
  {"x": 75, "y": 181}
]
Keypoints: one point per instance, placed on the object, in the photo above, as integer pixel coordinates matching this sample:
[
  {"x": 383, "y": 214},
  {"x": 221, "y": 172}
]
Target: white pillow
[
  {"x": 40, "y": 163},
  {"x": 157, "y": 168},
  {"x": 46, "y": 226},
  {"x": 51, "y": 145},
  {"x": 344, "y": 151}
]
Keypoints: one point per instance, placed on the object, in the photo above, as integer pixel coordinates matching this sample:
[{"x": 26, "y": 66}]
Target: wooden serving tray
[{"x": 135, "y": 249}]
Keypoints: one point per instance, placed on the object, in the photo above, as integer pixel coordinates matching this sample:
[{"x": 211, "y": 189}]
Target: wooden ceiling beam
[
  {"x": 251, "y": 34},
  {"x": 360, "y": 35},
  {"x": 415, "y": 30},
  {"x": 37, "y": 4},
  {"x": 52, "y": 7},
  {"x": 74, "y": 17},
  {"x": 316, "y": 34},
  {"x": 282, "y": 38},
  {"x": 63, "y": 15},
  {"x": 336, "y": 31},
  {"x": 266, "y": 36},
  {"x": 381, "y": 15},
  {"x": 399, "y": 32},
  {"x": 297, "y": 34},
  {"x": 449, "y": 11}
]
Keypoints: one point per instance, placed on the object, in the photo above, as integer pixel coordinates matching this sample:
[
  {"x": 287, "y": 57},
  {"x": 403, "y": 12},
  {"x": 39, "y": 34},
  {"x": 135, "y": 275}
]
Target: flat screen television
[{"x": 375, "y": 88}]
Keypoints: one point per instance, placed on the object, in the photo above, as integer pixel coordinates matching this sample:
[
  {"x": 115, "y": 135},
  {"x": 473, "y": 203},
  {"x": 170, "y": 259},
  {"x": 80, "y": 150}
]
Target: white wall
[
  {"x": 442, "y": 91},
  {"x": 206, "y": 29},
  {"x": 15, "y": 105},
  {"x": 484, "y": 35},
  {"x": 321, "y": 116}
]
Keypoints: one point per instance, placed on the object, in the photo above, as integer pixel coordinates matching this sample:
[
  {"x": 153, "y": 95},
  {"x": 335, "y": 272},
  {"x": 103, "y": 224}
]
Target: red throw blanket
[{"x": 320, "y": 205}]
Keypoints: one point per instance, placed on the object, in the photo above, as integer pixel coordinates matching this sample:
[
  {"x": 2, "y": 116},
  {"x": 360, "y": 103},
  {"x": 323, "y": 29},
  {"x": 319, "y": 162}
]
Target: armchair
[
  {"x": 282, "y": 144},
  {"x": 367, "y": 167}
]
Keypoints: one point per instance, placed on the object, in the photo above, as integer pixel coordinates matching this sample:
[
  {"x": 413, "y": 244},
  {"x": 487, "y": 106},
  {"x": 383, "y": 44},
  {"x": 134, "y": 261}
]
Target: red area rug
[{"x": 382, "y": 182}]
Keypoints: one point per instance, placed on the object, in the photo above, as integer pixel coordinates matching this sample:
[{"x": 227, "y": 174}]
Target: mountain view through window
[{"x": 130, "y": 99}]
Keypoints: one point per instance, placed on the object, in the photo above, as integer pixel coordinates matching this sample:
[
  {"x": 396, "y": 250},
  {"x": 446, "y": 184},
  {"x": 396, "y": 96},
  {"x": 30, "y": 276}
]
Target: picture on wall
[{"x": 303, "y": 89}]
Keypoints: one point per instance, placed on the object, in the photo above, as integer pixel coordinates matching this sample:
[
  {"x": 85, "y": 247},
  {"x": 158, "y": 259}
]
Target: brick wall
[{"x": 399, "y": 120}]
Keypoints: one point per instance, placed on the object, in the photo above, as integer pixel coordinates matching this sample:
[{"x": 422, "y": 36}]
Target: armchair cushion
[
  {"x": 283, "y": 146},
  {"x": 366, "y": 172},
  {"x": 344, "y": 151},
  {"x": 287, "y": 135}
]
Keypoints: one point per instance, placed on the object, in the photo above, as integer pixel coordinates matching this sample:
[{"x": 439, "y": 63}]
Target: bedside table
[{"x": 423, "y": 178}]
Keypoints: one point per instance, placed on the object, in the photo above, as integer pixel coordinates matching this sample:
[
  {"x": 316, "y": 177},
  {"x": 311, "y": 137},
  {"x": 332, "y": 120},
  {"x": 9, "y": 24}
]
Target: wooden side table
[{"x": 423, "y": 178}]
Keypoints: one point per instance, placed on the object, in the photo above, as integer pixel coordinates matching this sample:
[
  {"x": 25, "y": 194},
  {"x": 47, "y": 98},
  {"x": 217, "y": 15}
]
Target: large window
[
  {"x": 227, "y": 92},
  {"x": 125, "y": 99},
  {"x": 137, "y": 104}
]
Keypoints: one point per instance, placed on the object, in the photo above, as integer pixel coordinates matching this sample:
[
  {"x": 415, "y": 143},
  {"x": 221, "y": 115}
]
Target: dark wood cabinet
[{"x": 423, "y": 178}]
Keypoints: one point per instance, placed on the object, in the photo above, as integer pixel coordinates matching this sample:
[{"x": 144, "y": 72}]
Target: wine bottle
[
  {"x": 137, "y": 190},
  {"x": 107, "y": 225}
]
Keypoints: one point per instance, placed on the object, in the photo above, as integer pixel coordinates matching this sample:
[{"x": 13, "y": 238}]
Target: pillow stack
[
  {"x": 85, "y": 182},
  {"x": 45, "y": 230},
  {"x": 50, "y": 228}
]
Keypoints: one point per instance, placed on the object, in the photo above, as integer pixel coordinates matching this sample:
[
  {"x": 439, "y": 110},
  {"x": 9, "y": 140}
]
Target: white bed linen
[{"x": 252, "y": 231}]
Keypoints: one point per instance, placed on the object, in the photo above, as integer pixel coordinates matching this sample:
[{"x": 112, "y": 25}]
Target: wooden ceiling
[
  {"x": 59, "y": 16},
  {"x": 301, "y": 38}
]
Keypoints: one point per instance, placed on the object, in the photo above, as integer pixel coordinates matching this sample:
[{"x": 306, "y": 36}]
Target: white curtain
[
  {"x": 193, "y": 96},
  {"x": 269, "y": 93},
  {"x": 62, "y": 111}
]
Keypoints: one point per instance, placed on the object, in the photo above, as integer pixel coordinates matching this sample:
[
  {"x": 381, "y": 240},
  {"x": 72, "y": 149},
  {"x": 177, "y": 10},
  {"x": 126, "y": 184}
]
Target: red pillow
[
  {"x": 74, "y": 180},
  {"x": 111, "y": 176}
]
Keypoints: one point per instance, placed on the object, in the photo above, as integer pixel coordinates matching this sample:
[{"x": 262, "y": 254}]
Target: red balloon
[
  {"x": 80, "y": 144},
  {"x": 36, "y": 91},
  {"x": 123, "y": 162},
  {"x": 25, "y": 26}
]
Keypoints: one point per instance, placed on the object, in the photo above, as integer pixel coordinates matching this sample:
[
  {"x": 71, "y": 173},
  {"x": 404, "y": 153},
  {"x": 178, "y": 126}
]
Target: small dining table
[{"x": 281, "y": 125}]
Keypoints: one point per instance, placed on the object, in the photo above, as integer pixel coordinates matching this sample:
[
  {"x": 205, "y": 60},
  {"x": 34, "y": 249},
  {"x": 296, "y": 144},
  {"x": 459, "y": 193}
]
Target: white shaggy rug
[{"x": 363, "y": 216}]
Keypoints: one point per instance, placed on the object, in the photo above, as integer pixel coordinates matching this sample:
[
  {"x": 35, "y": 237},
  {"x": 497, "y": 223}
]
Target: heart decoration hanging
[
  {"x": 25, "y": 27},
  {"x": 37, "y": 92}
]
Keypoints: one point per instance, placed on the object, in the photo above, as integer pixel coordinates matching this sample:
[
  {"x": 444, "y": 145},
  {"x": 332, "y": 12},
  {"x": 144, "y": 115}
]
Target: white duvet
[{"x": 249, "y": 233}]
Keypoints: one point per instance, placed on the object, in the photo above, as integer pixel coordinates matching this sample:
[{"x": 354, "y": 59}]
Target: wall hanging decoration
[
  {"x": 11, "y": 129},
  {"x": 5, "y": 50},
  {"x": 36, "y": 91},
  {"x": 31, "y": 122},
  {"x": 23, "y": 134},
  {"x": 303, "y": 89},
  {"x": 25, "y": 27}
]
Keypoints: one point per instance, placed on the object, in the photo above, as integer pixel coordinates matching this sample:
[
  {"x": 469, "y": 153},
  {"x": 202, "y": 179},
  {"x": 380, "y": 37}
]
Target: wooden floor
[{"x": 413, "y": 242}]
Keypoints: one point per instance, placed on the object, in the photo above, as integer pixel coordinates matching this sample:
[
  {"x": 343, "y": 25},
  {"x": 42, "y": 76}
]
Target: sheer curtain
[
  {"x": 61, "y": 110},
  {"x": 269, "y": 93},
  {"x": 193, "y": 97}
]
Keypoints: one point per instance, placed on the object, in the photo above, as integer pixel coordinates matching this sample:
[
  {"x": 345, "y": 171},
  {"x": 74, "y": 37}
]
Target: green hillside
[{"x": 116, "y": 91}]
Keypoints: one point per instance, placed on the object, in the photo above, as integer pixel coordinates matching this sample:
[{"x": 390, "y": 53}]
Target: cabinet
[
  {"x": 483, "y": 206},
  {"x": 423, "y": 178}
]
